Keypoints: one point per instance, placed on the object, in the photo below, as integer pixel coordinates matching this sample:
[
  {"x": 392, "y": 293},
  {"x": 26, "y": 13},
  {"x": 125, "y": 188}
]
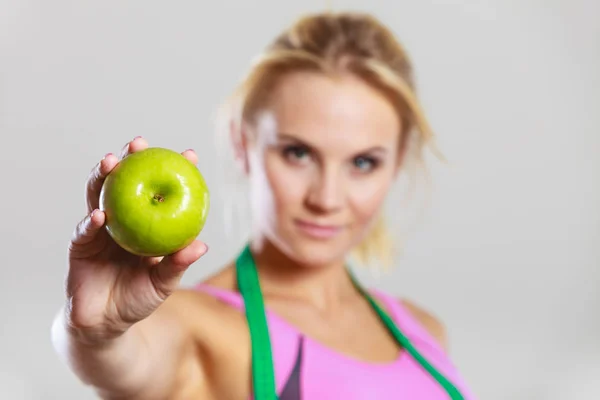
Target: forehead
[{"x": 343, "y": 114}]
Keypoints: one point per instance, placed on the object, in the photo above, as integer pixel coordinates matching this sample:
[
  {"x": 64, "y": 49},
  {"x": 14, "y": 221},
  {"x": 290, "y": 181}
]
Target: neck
[{"x": 322, "y": 286}]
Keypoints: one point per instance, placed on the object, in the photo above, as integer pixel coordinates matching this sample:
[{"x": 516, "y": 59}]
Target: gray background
[{"x": 506, "y": 253}]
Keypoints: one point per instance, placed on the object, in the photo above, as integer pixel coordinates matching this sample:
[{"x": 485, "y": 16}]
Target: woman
[{"x": 321, "y": 126}]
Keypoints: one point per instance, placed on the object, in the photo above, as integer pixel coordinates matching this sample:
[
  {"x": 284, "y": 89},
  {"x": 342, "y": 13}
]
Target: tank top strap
[
  {"x": 230, "y": 297},
  {"x": 405, "y": 320},
  {"x": 285, "y": 339}
]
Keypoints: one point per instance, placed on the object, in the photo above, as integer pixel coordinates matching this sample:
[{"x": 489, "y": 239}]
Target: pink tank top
[{"x": 307, "y": 370}]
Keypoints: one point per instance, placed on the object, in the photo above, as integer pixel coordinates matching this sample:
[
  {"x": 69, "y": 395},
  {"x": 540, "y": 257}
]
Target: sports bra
[{"x": 288, "y": 365}]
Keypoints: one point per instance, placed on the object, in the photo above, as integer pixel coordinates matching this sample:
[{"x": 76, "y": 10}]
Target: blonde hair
[{"x": 333, "y": 43}]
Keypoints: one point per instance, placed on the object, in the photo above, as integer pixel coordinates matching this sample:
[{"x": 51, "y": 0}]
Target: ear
[{"x": 239, "y": 141}]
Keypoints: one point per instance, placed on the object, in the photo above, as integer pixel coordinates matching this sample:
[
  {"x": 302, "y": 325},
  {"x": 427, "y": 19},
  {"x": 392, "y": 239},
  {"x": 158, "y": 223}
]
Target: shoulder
[
  {"x": 190, "y": 308},
  {"x": 209, "y": 326},
  {"x": 192, "y": 299},
  {"x": 210, "y": 321},
  {"x": 428, "y": 320}
]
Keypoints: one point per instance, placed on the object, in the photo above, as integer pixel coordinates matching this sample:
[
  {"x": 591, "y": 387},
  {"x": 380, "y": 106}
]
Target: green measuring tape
[{"x": 263, "y": 374}]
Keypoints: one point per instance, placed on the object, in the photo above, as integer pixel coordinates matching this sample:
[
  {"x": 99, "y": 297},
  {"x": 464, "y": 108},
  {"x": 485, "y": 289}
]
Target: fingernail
[
  {"x": 137, "y": 137},
  {"x": 93, "y": 212},
  {"x": 106, "y": 155},
  {"x": 189, "y": 150}
]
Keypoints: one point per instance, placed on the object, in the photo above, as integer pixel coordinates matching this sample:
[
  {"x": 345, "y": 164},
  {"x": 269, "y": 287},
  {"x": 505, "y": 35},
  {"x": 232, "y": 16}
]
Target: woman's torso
[{"x": 355, "y": 361}]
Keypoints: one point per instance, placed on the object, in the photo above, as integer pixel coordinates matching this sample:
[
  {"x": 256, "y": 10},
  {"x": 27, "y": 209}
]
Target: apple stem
[{"x": 159, "y": 198}]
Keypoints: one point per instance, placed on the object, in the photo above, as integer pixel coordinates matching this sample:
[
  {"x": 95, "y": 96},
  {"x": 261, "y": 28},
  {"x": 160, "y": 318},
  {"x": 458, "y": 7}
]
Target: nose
[{"x": 325, "y": 194}]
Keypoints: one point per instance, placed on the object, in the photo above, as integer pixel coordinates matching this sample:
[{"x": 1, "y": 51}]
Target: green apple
[{"x": 156, "y": 202}]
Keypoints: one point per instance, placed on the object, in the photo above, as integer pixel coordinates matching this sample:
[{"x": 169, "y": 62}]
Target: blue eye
[
  {"x": 295, "y": 153},
  {"x": 365, "y": 164}
]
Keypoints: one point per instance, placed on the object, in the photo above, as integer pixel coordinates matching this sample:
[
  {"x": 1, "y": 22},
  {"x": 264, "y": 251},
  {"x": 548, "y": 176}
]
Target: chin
[{"x": 315, "y": 253}]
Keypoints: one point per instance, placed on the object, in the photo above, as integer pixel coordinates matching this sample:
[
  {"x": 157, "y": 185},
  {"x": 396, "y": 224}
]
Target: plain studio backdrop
[{"x": 507, "y": 252}]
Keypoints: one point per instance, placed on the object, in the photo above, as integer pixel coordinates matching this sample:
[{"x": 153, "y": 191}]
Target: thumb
[{"x": 167, "y": 274}]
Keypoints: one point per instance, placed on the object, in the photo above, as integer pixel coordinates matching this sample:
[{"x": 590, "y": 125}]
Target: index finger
[
  {"x": 104, "y": 167},
  {"x": 96, "y": 180}
]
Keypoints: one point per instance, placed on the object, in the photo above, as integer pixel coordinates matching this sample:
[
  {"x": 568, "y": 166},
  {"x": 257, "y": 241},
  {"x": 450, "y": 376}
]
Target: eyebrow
[{"x": 290, "y": 137}]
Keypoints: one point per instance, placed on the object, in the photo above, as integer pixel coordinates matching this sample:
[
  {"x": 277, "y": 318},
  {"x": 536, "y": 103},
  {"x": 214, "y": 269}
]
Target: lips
[{"x": 318, "y": 231}]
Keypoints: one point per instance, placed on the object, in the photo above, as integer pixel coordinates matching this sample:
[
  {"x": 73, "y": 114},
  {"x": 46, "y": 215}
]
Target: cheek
[
  {"x": 368, "y": 194},
  {"x": 288, "y": 184}
]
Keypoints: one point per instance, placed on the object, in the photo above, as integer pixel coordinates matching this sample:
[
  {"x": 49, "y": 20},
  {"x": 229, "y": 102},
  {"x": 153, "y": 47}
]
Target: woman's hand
[{"x": 109, "y": 289}]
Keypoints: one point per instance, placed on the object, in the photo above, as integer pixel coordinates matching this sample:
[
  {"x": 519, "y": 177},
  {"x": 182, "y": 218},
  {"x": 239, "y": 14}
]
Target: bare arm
[{"x": 146, "y": 362}]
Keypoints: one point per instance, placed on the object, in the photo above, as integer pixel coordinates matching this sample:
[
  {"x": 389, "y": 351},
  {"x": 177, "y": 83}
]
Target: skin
[{"x": 329, "y": 159}]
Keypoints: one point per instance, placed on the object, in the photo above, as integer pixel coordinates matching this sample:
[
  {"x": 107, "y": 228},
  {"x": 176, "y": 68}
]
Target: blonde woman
[{"x": 322, "y": 125}]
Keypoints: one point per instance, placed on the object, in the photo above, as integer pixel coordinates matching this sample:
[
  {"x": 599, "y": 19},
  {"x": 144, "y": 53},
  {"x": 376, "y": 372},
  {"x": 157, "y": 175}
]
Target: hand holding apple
[{"x": 154, "y": 205}]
